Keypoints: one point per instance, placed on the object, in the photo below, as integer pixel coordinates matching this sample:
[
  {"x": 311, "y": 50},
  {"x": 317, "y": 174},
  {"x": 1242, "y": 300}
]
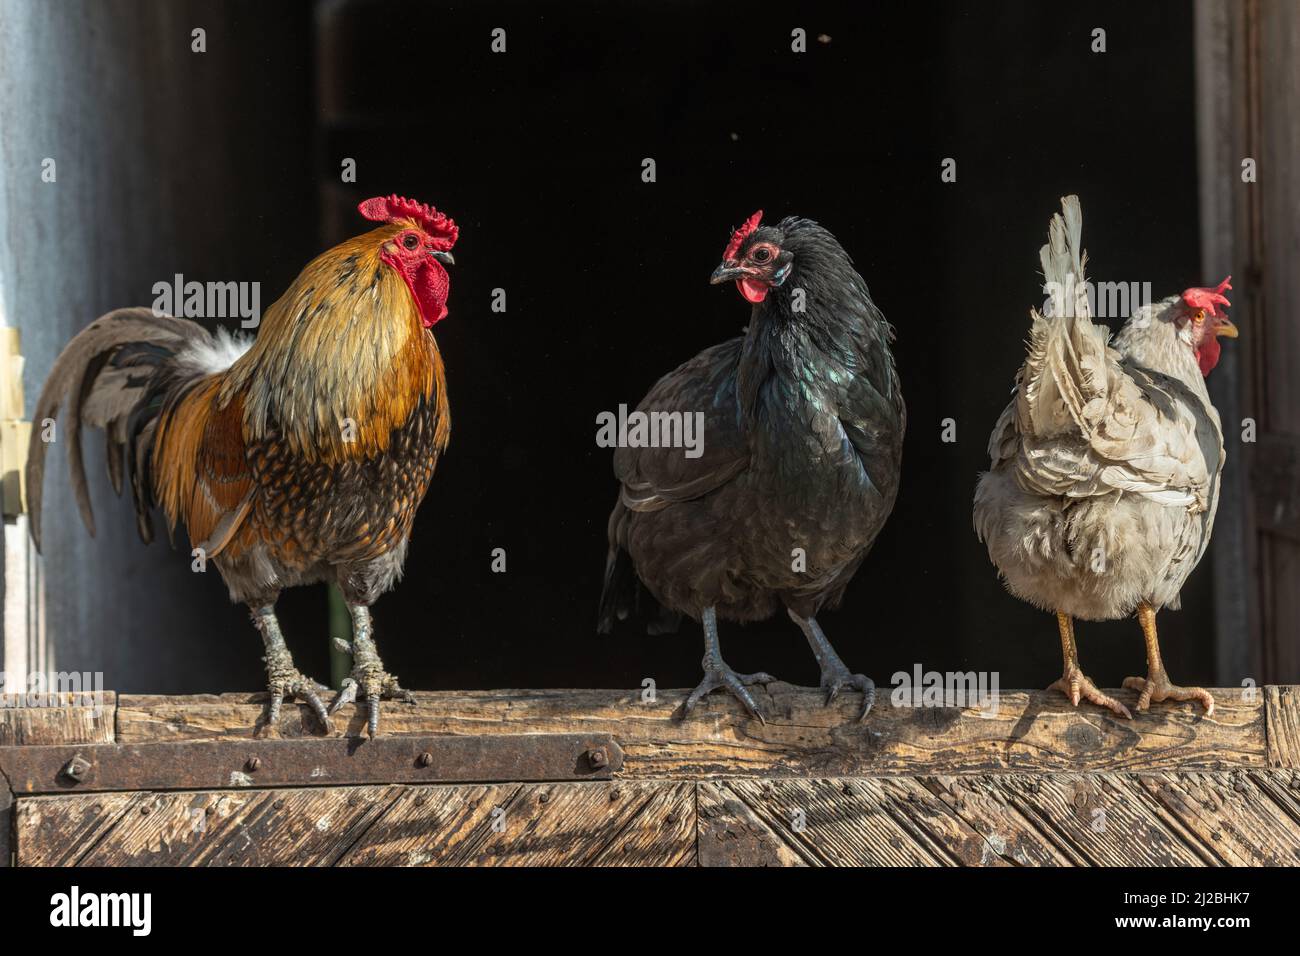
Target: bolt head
[
  {"x": 425, "y": 759},
  {"x": 598, "y": 758},
  {"x": 254, "y": 764}
]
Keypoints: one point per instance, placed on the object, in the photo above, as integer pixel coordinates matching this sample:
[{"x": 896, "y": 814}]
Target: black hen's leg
[
  {"x": 718, "y": 675},
  {"x": 283, "y": 678},
  {"x": 835, "y": 676},
  {"x": 368, "y": 678}
]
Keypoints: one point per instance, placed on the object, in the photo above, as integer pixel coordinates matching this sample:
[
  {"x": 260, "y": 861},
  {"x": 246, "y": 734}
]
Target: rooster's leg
[
  {"x": 1074, "y": 683},
  {"x": 717, "y": 674},
  {"x": 284, "y": 679},
  {"x": 1156, "y": 686},
  {"x": 368, "y": 678},
  {"x": 835, "y": 676}
]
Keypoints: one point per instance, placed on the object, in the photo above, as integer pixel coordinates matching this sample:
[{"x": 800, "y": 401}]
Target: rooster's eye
[
  {"x": 761, "y": 254},
  {"x": 411, "y": 241},
  {"x": 1199, "y": 317}
]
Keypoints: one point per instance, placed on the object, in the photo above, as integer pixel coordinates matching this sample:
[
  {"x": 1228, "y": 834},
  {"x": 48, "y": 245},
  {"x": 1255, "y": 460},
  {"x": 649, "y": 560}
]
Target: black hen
[{"x": 802, "y": 446}]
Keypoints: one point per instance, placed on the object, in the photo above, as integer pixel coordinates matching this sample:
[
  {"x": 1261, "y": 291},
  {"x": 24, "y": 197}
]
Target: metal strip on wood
[{"x": 324, "y": 761}]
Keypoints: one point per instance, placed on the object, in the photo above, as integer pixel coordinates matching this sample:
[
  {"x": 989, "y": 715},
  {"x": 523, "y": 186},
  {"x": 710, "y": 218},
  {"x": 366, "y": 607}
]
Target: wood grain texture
[
  {"x": 1029, "y": 731},
  {"x": 1282, "y": 708},
  {"x": 1156, "y": 818},
  {"x": 643, "y": 824},
  {"x": 55, "y": 725}
]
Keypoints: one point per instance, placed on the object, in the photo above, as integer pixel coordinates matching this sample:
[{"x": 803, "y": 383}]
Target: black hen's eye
[
  {"x": 761, "y": 254},
  {"x": 411, "y": 241}
]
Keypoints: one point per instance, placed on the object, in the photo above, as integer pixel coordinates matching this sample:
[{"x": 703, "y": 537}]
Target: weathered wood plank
[
  {"x": 1028, "y": 730},
  {"x": 1109, "y": 819},
  {"x": 644, "y": 824},
  {"x": 1095, "y": 819},
  {"x": 1282, "y": 707},
  {"x": 60, "y": 831},
  {"x": 1236, "y": 821},
  {"x": 618, "y": 824},
  {"x": 77, "y": 724},
  {"x": 6, "y": 825},
  {"x": 731, "y": 834}
]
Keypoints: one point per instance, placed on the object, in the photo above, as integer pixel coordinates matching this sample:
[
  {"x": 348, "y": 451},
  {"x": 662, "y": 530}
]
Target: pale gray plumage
[{"x": 1105, "y": 466}]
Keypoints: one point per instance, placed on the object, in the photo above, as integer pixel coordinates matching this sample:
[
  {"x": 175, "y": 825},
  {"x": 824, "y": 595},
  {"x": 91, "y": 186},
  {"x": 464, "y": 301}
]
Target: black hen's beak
[
  {"x": 444, "y": 257},
  {"x": 726, "y": 272}
]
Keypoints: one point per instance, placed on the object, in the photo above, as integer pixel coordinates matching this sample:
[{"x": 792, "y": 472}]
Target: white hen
[{"x": 1104, "y": 480}]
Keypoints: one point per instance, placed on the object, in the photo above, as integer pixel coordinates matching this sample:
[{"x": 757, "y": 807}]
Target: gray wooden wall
[
  {"x": 1248, "y": 92},
  {"x": 150, "y": 141}
]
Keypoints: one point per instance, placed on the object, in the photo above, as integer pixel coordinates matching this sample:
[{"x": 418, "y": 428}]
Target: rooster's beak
[
  {"x": 725, "y": 273},
  {"x": 445, "y": 257},
  {"x": 1225, "y": 328}
]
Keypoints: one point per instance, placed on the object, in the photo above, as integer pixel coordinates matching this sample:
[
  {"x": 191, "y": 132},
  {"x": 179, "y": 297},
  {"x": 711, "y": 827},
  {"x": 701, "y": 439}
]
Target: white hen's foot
[
  {"x": 1076, "y": 686},
  {"x": 1157, "y": 688}
]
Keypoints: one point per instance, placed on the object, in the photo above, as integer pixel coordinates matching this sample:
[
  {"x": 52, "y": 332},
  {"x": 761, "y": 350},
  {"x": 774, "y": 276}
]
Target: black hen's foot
[
  {"x": 368, "y": 681},
  {"x": 722, "y": 676},
  {"x": 835, "y": 679},
  {"x": 285, "y": 680}
]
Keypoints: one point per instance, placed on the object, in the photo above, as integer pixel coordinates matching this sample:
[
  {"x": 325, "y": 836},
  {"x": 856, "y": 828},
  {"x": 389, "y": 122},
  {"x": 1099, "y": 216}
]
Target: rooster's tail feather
[{"x": 116, "y": 374}]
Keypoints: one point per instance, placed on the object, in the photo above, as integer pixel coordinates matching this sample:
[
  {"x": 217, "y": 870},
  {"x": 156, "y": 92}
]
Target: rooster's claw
[
  {"x": 293, "y": 684},
  {"x": 376, "y": 685}
]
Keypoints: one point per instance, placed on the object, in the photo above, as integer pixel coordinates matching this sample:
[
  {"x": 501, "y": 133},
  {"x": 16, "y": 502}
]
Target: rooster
[
  {"x": 803, "y": 433},
  {"x": 1104, "y": 481},
  {"x": 296, "y": 458}
]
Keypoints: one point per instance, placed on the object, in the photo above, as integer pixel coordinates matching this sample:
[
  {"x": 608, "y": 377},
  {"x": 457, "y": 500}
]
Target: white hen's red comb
[{"x": 1198, "y": 297}]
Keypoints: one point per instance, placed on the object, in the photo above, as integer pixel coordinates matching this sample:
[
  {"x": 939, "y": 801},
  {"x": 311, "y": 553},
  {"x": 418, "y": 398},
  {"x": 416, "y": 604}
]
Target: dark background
[{"x": 537, "y": 155}]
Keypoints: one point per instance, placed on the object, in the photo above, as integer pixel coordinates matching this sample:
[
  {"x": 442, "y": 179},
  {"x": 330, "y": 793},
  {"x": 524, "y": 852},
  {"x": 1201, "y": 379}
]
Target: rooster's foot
[
  {"x": 1076, "y": 685},
  {"x": 291, "y": 683},
  {"x": 1157, "y": 688},
  {"x": 370, "y": 681},
  {"x": 835, "y": 680},
  {"x": 721, "y": 676}
]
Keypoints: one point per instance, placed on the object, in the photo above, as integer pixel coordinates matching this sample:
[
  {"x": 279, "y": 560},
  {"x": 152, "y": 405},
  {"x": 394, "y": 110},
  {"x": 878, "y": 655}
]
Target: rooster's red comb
[
  {"x": 1208, "y": 299},
  {"x": 392, "y": 208},
  {"x": 738, "y": 237}
]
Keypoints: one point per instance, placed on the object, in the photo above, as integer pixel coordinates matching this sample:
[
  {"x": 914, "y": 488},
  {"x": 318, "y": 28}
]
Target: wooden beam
[
  {"x": 66, "y": 724},
  {"x": 1029, "y": 730}
]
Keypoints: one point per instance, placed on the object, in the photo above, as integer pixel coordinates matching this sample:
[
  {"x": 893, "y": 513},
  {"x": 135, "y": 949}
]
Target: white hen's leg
[
  {"x": 1156, "y": 686},
  {"x": 1074, "y": 683}
]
